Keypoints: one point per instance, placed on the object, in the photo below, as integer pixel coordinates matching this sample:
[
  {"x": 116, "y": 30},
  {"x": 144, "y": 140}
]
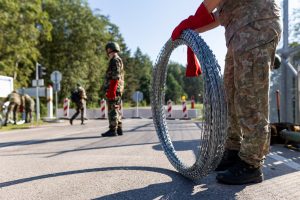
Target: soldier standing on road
[
  {"x": 79, "y": 98},
  {"x": 252, "y": 32},
  {"x": 114, "y": 86},
  {"x": 29, "y": 108},
  {"x": 15, "y": 103}
]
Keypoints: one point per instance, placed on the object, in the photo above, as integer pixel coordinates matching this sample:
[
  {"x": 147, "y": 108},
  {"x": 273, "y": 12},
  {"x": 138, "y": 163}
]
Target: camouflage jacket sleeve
[
  {"x": 114, "y": 69},
  {"x": 82, "y": 93}
]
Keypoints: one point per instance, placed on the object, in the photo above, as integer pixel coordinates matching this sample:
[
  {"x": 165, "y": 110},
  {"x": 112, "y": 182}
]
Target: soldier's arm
[
  {"x": 115, "y": 67},
  {"x": 210, "y": 5},
  {"x": 210, "y": 26},
  {"x": 115, "y": 70}
]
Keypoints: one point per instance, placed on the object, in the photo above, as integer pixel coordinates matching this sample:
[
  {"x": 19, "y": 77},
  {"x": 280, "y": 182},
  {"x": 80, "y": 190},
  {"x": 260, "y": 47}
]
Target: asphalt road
[{"x": 60, "y": 161}]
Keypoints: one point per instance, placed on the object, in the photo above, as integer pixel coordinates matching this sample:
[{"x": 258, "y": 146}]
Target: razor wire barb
[{"x": 213, "y": 128}]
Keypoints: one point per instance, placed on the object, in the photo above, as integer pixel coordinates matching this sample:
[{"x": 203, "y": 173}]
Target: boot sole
[
  {"x": 109, "y": 135},
  {"x": 243, "y": 182},
  {"x": 224, "y": 168}
]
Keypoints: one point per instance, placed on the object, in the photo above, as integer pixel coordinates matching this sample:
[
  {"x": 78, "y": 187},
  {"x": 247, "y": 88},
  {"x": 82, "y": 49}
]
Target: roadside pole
[
  {"x": 56, "y": 77},
  {"x": 56, "y": 103},
  {"x": 37, "y": 92},
  {"x": 137, "y": 96}
]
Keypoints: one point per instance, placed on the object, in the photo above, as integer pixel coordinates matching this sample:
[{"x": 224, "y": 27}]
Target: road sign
[
  {"x": 56, "y": 77},
  {"x": 137, "y": 96},
  {"x": 32, "y": 91},
  {"x": 6, "y": 85},
  {"x": 56, "y": 87},
  {"x": 40, "y": 82}
]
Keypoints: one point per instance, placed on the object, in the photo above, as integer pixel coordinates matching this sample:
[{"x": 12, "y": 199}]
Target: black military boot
[
  {"x": 230, "y": 157},
  {"x": 71, "y": 121},
  {"x": 110, "y": 133},
  {"x": 120, "y": 131},
  {"x": 241, "y": 173}
]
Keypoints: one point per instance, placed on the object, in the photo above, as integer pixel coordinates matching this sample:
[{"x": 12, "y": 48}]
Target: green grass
[
  {"x": 11, "y": 127},
  {"x": 198, "y": 106}
]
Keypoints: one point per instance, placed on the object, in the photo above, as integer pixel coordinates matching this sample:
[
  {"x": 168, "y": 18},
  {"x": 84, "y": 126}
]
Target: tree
[
  {"x": 78, "y": 45},
  {"x": 138, "y": 71},
  {"x": 179, "y": 85},
  {"x": 174, "y": 82},
  {"x": 22, "y": 23}
]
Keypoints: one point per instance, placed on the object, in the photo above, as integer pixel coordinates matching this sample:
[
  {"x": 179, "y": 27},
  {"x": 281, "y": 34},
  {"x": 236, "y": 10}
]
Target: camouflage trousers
[
  {"x": 79, "y": 110},
  {"x": 12, "y": 107},
  {"x": 114, "y": 113},
  {"x": 246, "y": 79}
]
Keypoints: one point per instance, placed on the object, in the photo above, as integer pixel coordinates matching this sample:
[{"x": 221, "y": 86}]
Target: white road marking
[{"x": 288, "y": 162}]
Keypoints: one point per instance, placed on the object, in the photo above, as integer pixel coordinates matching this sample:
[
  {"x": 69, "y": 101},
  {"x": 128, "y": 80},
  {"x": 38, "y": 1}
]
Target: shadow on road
[
  {"x": 178, "y": 188},
  {"x": 184, "y": 145},
  {"x": 32, "y": 142}
]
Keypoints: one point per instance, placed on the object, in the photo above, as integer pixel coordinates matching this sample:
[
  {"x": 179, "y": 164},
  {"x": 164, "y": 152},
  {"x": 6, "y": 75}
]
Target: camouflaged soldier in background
[
  {"x": 252, "y": 32},
  {"x": 29, "y": 106},
  {"x": 15, "y": 103},
  {"x": 79, "y": 101},
  {"x": 114, "y": 87}
]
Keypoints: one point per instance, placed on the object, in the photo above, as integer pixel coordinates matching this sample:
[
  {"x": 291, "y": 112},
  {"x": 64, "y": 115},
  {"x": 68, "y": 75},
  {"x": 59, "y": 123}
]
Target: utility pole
[
  {"x": 37, "y": 92},
  {"x": 283, "y": 88},
  {"x": 289, "y": 92}
]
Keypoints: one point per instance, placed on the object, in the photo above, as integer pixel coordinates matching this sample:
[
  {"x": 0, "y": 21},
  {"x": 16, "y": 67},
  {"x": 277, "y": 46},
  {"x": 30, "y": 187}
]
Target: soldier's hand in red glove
[
  {"x": 112, "y": 90},
  {"x": 201, "y": 18}
]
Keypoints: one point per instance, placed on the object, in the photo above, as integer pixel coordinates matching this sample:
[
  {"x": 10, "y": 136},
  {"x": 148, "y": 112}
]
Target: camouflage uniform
[
  {"x": 115, "y": 71},
  {"x": 252, "y": 31},
  {"x": 15, "y": 103},
  {"x": 29, "y": 107},
  {"x": 80, "y": 104}
]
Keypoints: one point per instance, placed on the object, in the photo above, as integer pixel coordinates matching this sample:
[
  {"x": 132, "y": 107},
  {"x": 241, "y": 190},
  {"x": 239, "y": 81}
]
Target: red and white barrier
[
  {"x": 66, "y": 107},
  {"x": 169, "y": 109},
  {"x": 192, "y": 102},
  {"x": 49, "y": 101},
  {"x": 184, "y": 110},
  {"x": 102, "y": 109}
]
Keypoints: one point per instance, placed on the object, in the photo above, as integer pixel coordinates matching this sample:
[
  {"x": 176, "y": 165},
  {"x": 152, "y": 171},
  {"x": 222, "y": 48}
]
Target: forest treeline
[{"x": 66, "y": 35}]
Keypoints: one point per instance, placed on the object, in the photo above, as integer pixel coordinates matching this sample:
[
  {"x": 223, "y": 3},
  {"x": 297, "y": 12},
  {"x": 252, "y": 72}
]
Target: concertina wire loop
[{"x": 212, "y": 129}]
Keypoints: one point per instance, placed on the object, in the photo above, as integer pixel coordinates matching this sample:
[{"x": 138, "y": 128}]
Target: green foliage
[
  {"x": 138, "y": 72},
  {"x": 178, "y": 85},
  {"x": 68, "y": 36},
  {"x": 22, "y": 24},
  {"x": 74, "y": 50}
]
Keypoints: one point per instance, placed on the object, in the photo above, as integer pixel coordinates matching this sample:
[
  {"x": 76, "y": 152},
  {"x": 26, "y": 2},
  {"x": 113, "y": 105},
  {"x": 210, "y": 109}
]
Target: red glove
[
  {"x": 193, "y": 67},
  {"x": 201, "y": 18},
  {"x": 112, "y": 90}
]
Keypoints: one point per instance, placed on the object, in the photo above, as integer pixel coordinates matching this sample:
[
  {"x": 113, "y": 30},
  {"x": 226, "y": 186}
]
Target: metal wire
[{"x": 213, "y": 127}]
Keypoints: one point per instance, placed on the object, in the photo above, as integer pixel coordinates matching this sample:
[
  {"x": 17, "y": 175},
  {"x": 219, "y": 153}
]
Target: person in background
[
  {"x": 114, "y": 87},
  {"x": 79, "y": 98},
  {"x": 15, "y": 104},
  {"x": 29, "y": 107}
]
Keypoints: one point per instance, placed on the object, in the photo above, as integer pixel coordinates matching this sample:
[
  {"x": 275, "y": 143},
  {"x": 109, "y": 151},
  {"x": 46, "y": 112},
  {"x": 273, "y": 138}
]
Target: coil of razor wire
[{"x": 213, "y": 127}]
